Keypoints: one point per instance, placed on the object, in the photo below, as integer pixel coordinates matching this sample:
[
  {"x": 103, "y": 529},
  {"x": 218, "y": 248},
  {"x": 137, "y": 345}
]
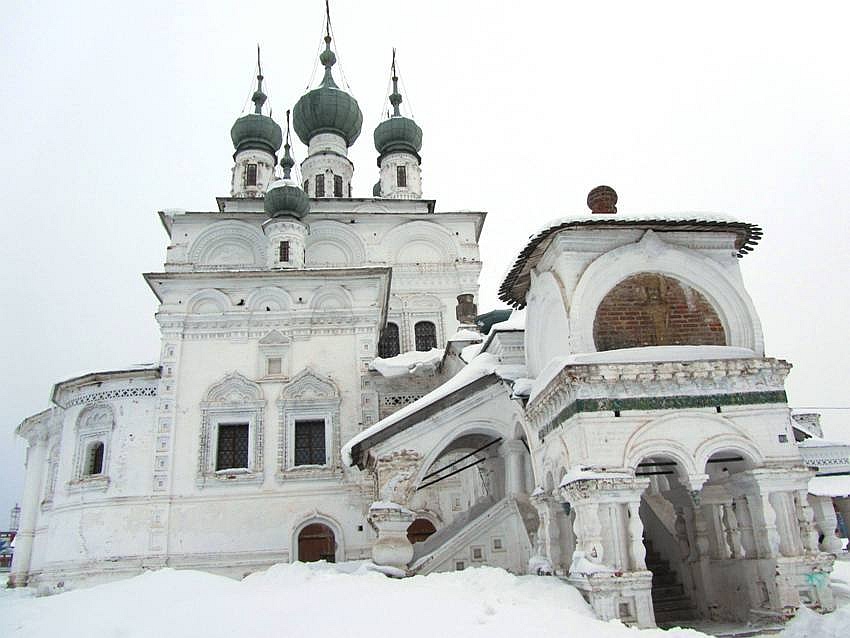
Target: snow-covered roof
[
  {"x": 817, "y": 442},
  {"x": 484, "y": 368},
  {"x": 516, "y": 281},
  {"x": 413, "y": 362},
  {"x": 835, "y": 485}
]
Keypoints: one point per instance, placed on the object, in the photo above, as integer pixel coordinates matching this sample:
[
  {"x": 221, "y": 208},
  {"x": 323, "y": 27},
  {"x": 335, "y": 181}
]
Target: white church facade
[{"x": 323, "y": 393}]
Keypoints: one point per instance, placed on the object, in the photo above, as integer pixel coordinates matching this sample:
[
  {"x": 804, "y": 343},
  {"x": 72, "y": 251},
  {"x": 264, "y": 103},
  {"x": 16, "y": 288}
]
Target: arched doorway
[
  {"x": 419, "y": 530},
  {"x": 316, "y": 542}
]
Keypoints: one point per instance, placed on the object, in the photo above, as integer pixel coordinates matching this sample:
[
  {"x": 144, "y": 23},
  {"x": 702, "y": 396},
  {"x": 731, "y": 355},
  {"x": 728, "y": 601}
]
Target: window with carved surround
[
  {"x": 309, "y": 438},
  {"x": 92, "y": 450},
  {"x": 231, "y": 407}
]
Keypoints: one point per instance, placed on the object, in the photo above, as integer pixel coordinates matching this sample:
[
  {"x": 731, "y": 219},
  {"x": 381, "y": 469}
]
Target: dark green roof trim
[
  {"x": 679, "y": 402},
  {"x": 518, "y": 280},
  {"x": 358, "y": 451}
]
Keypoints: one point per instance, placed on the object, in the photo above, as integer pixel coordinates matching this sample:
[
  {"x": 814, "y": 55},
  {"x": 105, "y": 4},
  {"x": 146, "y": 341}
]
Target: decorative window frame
[
  {"x": 95, "y": 424},
  {"x": 308, "y": 396},
  {"x": 273, "y": 345},
  {"x": 234, "y": 399}
]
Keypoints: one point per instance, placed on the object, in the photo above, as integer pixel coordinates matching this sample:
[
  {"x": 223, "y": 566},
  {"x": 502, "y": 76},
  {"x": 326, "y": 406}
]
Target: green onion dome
[
  {"x": 327, "y": 108},
  {"x": 397, "y": 133},
  {"x": 284, "y": 197},
  {"x": 255, "y": 130}
]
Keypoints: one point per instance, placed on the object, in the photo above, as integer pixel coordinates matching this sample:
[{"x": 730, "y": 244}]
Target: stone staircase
[{"x": 669, "y": 600}]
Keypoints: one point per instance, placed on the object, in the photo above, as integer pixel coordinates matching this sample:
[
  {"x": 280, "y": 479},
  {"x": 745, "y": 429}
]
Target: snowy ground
[{"x": 335, "y": 601}]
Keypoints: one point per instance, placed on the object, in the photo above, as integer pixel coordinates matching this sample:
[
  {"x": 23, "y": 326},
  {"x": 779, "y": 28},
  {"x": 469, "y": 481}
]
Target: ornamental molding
[
  {"x": 339, "y": 236},
  {"x": 228, "y": 244},
  {"x": 656, "y": 385}
]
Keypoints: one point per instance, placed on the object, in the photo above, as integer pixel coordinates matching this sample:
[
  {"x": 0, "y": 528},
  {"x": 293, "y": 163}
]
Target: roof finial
[
  {"x": 287, "y": 162},
  {"x": 259, "y": 98},
  {"x": 328, "y": 58},
  {"x": 395, "y": 96}
]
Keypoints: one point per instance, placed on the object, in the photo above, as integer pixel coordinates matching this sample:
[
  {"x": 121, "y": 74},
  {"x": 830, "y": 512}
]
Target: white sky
[{"x": 114, "y": 110}]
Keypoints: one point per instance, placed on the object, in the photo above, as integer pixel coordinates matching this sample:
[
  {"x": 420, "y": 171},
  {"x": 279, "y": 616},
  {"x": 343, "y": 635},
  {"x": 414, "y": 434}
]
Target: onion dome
[
  {"x": 397, "y": 133},
  {"x": 327, "y": 108},
  {"x": 285, "y": 197},
  {"x": 376, "y": 189},
  {"x": 255, "y": 130}
]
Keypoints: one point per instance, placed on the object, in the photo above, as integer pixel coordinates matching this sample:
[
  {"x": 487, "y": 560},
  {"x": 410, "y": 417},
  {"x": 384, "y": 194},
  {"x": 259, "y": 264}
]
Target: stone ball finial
[{"x": 602, "y": 200}]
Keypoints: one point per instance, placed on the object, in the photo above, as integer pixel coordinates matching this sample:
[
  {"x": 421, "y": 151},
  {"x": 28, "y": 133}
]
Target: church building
[{"x": 326, "y": 390}]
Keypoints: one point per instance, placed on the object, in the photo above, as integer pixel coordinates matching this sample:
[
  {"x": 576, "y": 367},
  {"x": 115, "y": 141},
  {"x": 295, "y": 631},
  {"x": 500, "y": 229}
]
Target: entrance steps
[{"x": 669, "y": 600}]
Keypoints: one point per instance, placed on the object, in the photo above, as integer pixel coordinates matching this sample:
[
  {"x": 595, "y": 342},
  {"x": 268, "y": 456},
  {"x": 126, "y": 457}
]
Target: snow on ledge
[
  {"x": 466, "y": 335},
  {"x": 413, "y": 362},
  {"x": 817, "y": 442},
  {"x": 646, "y": 354},
  {"x": 833, "y": 486},
  {"x": 516, "y": 321},
  {"x": 650, "y": 354}
]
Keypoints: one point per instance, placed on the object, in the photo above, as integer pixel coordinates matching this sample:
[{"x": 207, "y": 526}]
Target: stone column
[
  {"x": 36, "y": 454},
  {"x": 609, "y": 565},
  {"x": 392, "y": 547},
  {"x": 826, "y": 523},
  {"x": 512, "y": 452}
]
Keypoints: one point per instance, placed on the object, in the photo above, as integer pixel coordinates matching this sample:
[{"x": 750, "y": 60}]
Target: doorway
[{"x": 316, "y": 542}]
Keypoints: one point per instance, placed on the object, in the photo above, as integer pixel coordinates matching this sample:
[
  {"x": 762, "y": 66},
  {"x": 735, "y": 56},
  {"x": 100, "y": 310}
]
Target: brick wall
[{"x": 649, "y": 309}]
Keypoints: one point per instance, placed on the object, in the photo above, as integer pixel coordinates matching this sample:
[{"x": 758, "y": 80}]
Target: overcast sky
[{"x": 114, "y": 110}]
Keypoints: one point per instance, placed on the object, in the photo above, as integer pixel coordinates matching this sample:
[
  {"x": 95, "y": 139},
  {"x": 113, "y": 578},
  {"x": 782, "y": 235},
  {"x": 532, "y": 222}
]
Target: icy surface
[
  {"x": 316, "y": 599},
  {"x": 413, "y": 362},
  {"x": 830, "y": 485}
]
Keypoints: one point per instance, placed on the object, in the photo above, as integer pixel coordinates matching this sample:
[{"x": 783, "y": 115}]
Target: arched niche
[
  {"x": 208, "y": 301},
  {"x": 331, "y": 243},
  {"x": 722, "y": 288},
  {"x": 229, "y": 244},
  {"x": 331, "y": 297},
  {"x": 420, "y": 242},
  {"x": 269, "y": 298}
]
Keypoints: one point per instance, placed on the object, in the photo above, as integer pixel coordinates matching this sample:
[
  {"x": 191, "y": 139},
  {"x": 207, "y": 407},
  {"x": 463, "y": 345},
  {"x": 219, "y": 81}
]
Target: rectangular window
[
  {"x": 337, "y": 185},
  {"x": 232, "y": 446},
  {"x": 307, "y": 186},
  {"x": 274, "y": 366},
  {"x": 401, "y": 176},
  {"x": 477, "y": 553},
  {"x": 251, "y": 175},
  {"x": 310, "y": 442},
  {"x": 95, "y": 459},
  {"x": 320, "y": 185},
  {"x": 284, "y": 251}
]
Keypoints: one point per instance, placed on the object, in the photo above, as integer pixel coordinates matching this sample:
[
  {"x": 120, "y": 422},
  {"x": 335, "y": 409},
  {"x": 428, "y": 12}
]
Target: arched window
[
  {"x": 426, "y": 335},
  {"x": 419, "y": 530},
  {"x": 316, "y": 542},
  {"x": 94, "y": 461},
  {"x": 388, "y": 346}
]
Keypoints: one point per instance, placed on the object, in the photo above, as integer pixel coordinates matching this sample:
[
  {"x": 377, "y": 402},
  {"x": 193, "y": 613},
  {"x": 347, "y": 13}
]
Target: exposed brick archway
[{"x": 651, "y": 309}]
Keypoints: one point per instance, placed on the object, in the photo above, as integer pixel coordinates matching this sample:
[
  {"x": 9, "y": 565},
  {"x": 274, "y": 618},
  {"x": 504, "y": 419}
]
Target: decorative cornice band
[{"x": 660, "y": 403}]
